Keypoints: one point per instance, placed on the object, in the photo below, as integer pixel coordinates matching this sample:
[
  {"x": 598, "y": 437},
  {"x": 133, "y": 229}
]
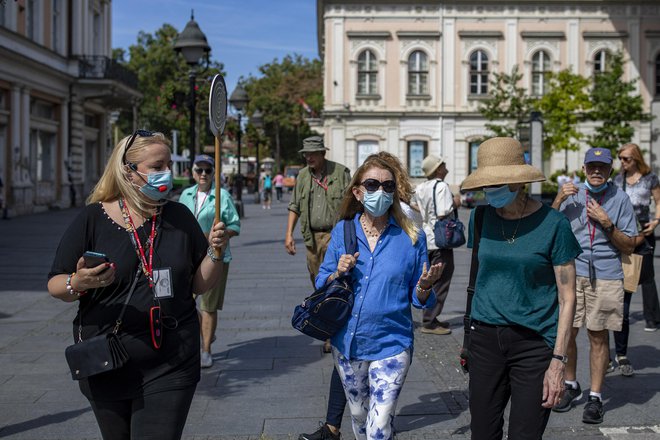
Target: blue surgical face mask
[
  {"x": 500, "y": 196},
  {"x": 378, "y": 202},
  {"x": 158, "y": 184},
  {"x": 595, "y": 189}
]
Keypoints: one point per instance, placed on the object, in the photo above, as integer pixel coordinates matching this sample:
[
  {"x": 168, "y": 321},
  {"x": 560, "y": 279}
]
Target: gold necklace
[
  {"x": 370, "y": 231},
  {"x": 511, "y": 239}
]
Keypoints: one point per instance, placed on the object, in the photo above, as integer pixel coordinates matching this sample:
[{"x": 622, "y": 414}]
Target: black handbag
[
  {"x": 449, "y": 232},
  {"x": 327, "y": 310},
  {"x": 101, "y": 353}
]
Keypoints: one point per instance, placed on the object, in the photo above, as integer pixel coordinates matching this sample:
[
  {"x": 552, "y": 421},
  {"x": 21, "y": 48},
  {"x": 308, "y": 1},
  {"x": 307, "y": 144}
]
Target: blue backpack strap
[{"x": 350, "y": 237}]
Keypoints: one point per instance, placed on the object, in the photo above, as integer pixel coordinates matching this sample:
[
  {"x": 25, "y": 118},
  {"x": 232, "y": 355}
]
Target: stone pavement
[{"x": 268, "y": 381}]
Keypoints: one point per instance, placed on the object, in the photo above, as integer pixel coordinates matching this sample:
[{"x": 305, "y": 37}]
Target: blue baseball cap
[
  {"x": 204, "y": 158},
  {"x": 602, "y": 155}
]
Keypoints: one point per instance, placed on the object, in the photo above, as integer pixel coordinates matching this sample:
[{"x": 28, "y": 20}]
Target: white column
[
  {"x": 107, "y": 30},
  {"x": 633, "y": 50},
  {"x": 511, "y": 44},
  {"x": 26, "y": 157},
  {"x": 448, "y": 63},
  {"x": 15, "y": 133},
  {"x": 573, "y": 46},
  {"x": 448, "y": 148},
  {"x": 338, "y": 61}
]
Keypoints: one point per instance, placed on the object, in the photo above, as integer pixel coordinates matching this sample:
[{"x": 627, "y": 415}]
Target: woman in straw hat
[{"x": 518, "y": 335}]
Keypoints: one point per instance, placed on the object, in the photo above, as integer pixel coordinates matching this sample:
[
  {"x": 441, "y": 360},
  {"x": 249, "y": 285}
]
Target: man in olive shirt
[{"x": 315, "y": 201}]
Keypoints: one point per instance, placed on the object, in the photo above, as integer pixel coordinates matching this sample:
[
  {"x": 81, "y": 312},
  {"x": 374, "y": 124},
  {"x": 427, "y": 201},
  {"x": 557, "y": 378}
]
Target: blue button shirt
[{"x": 381, "y": 324}]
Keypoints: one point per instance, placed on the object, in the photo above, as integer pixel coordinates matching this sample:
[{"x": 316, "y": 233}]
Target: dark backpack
[{"x": 327, "y": 310}]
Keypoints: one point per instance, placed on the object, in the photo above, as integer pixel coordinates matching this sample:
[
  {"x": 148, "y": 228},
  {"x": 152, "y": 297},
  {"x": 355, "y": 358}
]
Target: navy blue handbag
[
  {"x": 449, "y": 232},
  {"x": 327, "y": 310}
]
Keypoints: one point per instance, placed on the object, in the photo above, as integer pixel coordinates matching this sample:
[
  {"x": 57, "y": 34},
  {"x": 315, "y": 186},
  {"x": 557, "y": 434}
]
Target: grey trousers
[{"x": 440, "y": 287}]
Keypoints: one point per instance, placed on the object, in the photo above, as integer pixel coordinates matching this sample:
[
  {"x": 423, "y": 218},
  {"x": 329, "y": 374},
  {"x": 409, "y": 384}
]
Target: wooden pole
[{"x": 218, "y": 183}]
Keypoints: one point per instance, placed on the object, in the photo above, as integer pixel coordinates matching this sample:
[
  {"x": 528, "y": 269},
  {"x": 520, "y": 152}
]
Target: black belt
[{"x": 321, "y": 230}]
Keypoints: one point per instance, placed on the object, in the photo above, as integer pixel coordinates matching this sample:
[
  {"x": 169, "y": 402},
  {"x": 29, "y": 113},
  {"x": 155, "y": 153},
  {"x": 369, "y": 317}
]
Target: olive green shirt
[{"x": 317, "y": 207}]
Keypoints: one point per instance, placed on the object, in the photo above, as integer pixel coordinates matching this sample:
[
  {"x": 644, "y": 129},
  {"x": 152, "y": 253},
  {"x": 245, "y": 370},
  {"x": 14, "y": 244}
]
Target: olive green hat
[{"x": 312, "y": 144}]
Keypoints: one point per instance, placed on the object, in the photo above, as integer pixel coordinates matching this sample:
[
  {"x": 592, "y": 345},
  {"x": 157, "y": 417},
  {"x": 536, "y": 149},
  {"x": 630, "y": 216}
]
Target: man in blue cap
[{"x": 603, "y": 220}]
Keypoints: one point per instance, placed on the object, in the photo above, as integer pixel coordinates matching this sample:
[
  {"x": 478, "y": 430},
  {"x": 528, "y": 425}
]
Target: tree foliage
[
  {"x": 508, "y": 106},
  {"x": 280, "y": 93},
  {"x": 563, "y": 107},
  {"x": 615, "y": 106},
  {"x": 163, "y": 78}
]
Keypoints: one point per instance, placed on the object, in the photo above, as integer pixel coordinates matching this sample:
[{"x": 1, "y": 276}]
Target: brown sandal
[{"x": 327, "y": 347}]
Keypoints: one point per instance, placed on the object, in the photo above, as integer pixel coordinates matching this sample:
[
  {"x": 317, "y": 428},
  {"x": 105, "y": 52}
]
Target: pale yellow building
[
  {"x": 408, "y": 76},
  {"x": 59, "y": 91}
]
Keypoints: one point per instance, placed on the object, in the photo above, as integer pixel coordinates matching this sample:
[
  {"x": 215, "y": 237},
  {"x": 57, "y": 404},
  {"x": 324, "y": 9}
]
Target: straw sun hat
[{"x": 501, "y": 161}]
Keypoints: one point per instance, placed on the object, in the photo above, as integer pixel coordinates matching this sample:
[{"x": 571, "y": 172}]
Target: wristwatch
[
  {"x": 559, "y": 357},
  {"x": 210, "y": 252},
  {"x": 609, "y": 228}
]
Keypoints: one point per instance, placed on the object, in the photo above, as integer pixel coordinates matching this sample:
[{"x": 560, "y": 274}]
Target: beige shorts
[
  {"x": 600, "y": 307},
  {"x": 215, "y": 298}
]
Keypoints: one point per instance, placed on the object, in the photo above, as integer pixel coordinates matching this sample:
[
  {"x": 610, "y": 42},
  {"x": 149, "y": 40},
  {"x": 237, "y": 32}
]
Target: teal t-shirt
[{"x": 516, "y": 282}]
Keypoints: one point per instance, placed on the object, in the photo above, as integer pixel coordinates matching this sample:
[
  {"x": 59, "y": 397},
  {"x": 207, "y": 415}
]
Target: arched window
[
  {"x": 418, "y": 73},
  {"x": 367, "y": 73},
  {"x": 601, "y": 62},
  {"x": 657, "y": 75},
  {"x": 478, "y": 73},
  {"x": 540, "y": 70}
]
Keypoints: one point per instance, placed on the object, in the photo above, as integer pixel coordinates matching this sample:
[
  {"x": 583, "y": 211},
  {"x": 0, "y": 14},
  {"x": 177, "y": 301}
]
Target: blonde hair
[
  {"x": 350, "y": 206},
  {"x": 114, "y": 182},
  {"x": 637, "y": 156}
]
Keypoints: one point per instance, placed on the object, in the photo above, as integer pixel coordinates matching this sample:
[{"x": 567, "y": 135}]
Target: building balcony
[{"x": 103, "y": 79}]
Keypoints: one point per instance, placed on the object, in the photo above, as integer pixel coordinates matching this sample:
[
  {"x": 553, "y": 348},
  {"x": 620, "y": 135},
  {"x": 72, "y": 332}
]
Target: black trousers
[
  {"x": 507, "y": 363},
  {"x": 650, "y": 302},
  {"x": 159, "y": 416},
  {"x": 336, "y": 401},
  {"x": 621, "y": 338}
]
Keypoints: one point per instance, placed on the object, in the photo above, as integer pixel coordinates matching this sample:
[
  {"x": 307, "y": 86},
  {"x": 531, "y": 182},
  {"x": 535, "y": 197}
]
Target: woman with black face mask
[{"x": 157, "y": 255}]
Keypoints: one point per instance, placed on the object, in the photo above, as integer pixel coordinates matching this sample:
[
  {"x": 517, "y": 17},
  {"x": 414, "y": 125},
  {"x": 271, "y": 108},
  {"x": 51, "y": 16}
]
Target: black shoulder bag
[
  {"x": 474, "y": 268},
  {"x": 100, "y": 353},
  {"x": 327, "y": 310}
]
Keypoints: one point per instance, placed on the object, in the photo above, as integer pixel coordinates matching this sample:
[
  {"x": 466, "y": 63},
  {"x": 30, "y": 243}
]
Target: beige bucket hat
[
  {"x": 431, "y": 163},
  {"x": 501, "y": 161}
]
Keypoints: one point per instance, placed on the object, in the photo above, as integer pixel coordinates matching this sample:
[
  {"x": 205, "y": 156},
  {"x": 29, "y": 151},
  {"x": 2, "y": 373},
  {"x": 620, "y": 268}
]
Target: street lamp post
[
  {"x": 257, "y": 121},
  {"x": 239, "y": 100},
  {"x": 191, "y": 43}
]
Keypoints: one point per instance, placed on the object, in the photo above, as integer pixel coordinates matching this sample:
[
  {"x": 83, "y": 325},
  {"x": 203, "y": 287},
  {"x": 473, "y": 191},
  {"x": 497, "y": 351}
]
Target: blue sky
[{"x": 243, "y": 34}]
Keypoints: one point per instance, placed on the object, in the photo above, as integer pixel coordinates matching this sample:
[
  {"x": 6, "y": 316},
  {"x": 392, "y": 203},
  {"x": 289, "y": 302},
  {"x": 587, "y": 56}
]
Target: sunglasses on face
[
  {"x": 136, "y": 133},
  {"x": 371, "y": 185},
  {"x": 625, "y": 159},
  {"x": 207, "y": 171}
]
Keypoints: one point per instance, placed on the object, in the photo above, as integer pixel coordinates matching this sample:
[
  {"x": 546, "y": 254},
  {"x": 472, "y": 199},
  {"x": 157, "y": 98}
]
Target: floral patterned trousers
[{"x": 372, "y": 389}]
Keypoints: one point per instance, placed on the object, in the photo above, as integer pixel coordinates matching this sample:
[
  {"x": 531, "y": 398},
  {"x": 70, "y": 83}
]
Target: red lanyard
[
  {"x": 147, "y": 268},
  {"x": 322, "y": 183},
  {"x": 206, "y": 194},
  {"x": 592, "y": 231}
]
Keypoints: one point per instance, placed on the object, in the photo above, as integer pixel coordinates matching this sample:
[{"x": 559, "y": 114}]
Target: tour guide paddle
[{"x": 218, "y": 118}]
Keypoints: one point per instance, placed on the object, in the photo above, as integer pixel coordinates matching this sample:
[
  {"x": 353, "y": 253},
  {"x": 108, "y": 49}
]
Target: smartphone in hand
[{"x": 93, "y": 259}]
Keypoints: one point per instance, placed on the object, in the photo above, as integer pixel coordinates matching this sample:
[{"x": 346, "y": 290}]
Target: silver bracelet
[{"x": 210, "y": 252}]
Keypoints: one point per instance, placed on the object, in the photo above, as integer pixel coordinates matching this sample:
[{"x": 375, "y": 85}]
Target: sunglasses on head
[
  {"x": 371, "y": 185},
  {"x": 136, "y": 133},
  {"x": 207, "y": 171}
]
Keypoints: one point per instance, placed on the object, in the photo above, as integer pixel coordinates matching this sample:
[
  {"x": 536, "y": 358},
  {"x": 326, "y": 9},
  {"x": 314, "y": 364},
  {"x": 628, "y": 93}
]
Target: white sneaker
[{"x": 207, "y": 360}]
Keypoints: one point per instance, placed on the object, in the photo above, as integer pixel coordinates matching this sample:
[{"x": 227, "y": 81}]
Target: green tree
[
  {"x": 279, "y": 93},
  {"x": 508, "y": 106},
  {"x": 563, "y": 107},
  {"x": 164, "y": 82},
  {"x": 614, "y": 106}
]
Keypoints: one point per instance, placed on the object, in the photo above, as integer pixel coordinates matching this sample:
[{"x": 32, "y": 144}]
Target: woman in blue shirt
[{"x": 373, "y": 351}]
